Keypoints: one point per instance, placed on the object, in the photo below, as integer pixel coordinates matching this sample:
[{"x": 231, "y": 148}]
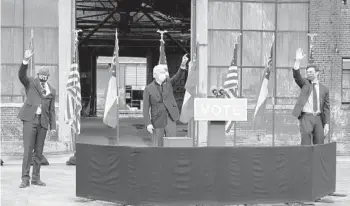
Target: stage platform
[{"x": 218, "y": 175}]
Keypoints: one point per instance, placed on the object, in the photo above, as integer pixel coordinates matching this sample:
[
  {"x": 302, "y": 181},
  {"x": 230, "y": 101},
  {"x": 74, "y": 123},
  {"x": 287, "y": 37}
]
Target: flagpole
[
  {"x": 75, "y": 56},
  {"x": 274, "y": 88},
  {"x": 235, "y": 56},
  {"x": 32, "y": 65},
  {"x": 117, "y": 72}
]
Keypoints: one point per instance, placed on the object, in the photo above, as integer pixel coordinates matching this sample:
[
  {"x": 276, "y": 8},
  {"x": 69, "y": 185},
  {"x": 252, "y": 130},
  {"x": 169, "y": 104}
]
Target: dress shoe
[
  {"x": 24, "y": 184},
  {"x": 38, "y": 182}
]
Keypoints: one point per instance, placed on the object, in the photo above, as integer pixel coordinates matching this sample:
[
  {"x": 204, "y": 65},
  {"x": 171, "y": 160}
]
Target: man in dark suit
[
  {"x": 312, "y": 107},
  {"x": 160, "y": 109},
  {"x": 38, "y": 115}
]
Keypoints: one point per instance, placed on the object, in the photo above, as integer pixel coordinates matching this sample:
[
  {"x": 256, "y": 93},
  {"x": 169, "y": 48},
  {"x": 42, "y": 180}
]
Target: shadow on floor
[{"x": 132, "y": 132}]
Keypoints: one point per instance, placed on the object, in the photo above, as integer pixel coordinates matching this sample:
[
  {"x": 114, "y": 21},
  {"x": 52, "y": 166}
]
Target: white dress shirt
[{"x": 309, "y": 106}]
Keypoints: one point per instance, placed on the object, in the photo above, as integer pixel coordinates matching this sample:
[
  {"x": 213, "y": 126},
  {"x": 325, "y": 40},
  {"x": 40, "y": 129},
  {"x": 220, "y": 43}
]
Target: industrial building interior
[{"x": 138, "y": 22}]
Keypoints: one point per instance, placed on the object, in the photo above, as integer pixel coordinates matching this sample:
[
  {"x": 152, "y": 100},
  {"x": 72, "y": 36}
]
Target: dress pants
[
  {"x": 311, "y": 129},
  {"x": 159, "y": 133},
  {"x": 33, "y": 139}
]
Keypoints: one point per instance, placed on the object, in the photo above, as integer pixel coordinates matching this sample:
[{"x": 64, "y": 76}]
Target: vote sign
[{"x": 217, "y": 109}]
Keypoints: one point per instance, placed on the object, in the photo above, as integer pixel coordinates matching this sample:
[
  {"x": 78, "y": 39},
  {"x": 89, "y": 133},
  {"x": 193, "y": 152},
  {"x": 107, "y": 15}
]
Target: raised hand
[
  {"x": 28, "y": 54},
  {"x": 299, "y": 55},
  {"x": 184, "y": 62}
]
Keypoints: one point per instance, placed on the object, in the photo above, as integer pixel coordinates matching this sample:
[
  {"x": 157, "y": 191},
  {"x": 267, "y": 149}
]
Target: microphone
[
  {"x": 215, "y": 92},
  {"x": 222, "y": 92}
]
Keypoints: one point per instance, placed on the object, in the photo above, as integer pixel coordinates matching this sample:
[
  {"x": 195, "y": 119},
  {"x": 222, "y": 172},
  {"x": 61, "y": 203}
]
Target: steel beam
[
  {"x": 94, "y": 15},
  {"x": 161, "y": 28},
  {"x": 84, "y": 25},
  {"x": 99, "y": 25},
  {"x": 107, "y": 7}
]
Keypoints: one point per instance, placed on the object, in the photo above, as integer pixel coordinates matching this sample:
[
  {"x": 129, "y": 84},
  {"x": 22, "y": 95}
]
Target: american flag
[
  {"x": 74, "y": 107},
  {"x": 231, "y": 84}
]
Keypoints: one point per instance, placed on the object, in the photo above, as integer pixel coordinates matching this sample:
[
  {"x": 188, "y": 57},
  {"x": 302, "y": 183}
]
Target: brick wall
[
  {"x": 331, "y": 21},
  {"x": 11, "y": 126}
]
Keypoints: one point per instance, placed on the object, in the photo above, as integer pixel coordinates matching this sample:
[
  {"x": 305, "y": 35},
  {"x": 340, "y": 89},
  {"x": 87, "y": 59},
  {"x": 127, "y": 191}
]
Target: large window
[
  {"x": 345, "y": 89},
  {"x": 286, "y": 21}
]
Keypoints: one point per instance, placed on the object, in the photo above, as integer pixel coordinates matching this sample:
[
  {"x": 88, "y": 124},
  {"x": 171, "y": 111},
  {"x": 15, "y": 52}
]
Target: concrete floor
[
  {"x": 132, "y": 132},
  {"x": 60, "y": 179}
]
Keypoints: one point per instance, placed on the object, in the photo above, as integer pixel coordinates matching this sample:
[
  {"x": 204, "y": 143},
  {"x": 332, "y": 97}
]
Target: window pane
[
  {"x": 12, "y": 12},
  {"x": 346, "y": 79},
  {"x": 45, "y": 44},
  {"x": 217, "y": 77},
  {"x": 256, "y": 48},
  {"x": 11, "y": 45},
  {"x": 251, "y": 82},
  {"x": 258, "y": 16},
  {"x": 286, "y": 88},
  {"x": 287, "y": 44},
  {"x": 10, "y": 84},
  {"x": 346, "y": 64},
  {"x": 224, "y": 15},
  {"x": 292, "y": 17},
  {"x": 346, "y": 95},
  {"x": 220, "y": 48},
  {"x": 34, "y": 16}
]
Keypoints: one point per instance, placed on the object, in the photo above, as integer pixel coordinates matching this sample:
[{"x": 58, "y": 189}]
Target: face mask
[
  {"x": 42, "y": 78},
  {"x": 162, "y": 77}
]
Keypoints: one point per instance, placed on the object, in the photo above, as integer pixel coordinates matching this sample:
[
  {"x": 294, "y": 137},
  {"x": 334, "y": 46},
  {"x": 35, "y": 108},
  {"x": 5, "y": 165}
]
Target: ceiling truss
[{"x": 137, "y": 21}]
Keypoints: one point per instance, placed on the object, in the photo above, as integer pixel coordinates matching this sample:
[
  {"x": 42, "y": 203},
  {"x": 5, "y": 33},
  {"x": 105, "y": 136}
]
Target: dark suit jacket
[
  {"x": 35, "y": 98},
  {"x": 156, "y": 106},
  {"x": 306, "y": 88}
]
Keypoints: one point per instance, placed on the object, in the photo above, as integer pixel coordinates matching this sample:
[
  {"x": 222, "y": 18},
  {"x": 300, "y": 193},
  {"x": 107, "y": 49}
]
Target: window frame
[
  {"x": 275, "y": 31},
  {"x": 343, "y": 102}
]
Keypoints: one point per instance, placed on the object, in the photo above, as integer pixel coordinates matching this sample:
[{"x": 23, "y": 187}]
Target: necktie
[
  {"x": 43, "y": 90},
  {"x": 314, "y": 102}
]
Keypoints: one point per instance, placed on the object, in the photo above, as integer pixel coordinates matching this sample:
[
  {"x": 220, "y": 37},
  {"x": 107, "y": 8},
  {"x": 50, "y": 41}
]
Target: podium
[{"x": 219, "y": 111}]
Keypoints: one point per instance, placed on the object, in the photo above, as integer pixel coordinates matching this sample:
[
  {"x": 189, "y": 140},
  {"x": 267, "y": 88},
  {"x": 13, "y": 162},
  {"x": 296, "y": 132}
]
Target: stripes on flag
[
  {"x": 72, "y": 113},
  {"x": 231, "y": 85}
]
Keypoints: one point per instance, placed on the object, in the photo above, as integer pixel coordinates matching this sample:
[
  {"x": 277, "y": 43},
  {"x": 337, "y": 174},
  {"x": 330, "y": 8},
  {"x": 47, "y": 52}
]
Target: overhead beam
[
  {"x": 129, "y": 43},
  {"x": 161, "y": 28},
  {"x": 93, "y": 15},
  {"x": 99, "y": 25},
  {"x": 83, "y": 25}
]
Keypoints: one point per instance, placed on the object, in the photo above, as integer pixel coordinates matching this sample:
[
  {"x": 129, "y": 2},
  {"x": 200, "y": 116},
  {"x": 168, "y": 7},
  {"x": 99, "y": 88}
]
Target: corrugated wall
[{"x": 18, "y": 17}]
